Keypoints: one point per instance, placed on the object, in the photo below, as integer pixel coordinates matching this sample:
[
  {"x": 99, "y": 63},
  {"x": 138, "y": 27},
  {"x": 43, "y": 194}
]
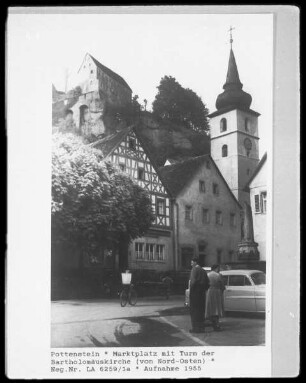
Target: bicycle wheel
[
  {"x": 132, "y": 297},
  {"x": 123, "y": 298}
]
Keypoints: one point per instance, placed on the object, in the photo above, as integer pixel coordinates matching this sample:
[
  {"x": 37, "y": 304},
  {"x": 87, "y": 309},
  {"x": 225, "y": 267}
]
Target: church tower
[{"x": 234, "y": 133}]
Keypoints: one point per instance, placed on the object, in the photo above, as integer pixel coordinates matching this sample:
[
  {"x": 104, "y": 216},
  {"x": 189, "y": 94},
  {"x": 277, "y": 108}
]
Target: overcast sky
[{"x": 194, "y": 48}]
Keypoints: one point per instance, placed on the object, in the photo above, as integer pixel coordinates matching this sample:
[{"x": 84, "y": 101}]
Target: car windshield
[{"x": 259, "y": 278}]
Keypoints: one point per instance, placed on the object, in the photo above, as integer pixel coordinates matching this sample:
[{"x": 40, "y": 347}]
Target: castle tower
[{"x": 234, "y": 133}]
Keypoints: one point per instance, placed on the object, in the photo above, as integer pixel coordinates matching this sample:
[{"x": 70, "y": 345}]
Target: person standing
[
  {"x": 214, "y": 300},
  {"x": 197, "y": 292}
]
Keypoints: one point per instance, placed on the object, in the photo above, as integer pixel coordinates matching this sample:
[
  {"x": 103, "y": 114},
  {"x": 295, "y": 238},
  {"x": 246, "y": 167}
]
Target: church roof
[
  {"x": 256, "y": 171},
  {"x": 176, "y": 177},
  {"x": 110, "y": 73},
  {"x": 233, "y": 95}
]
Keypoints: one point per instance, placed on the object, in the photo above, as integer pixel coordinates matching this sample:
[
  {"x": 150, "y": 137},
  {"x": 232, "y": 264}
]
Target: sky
[{"x": 142, "y": 48}]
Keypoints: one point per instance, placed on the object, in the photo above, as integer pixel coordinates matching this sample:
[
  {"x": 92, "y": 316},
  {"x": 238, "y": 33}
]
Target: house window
[
  {"x": 205, "y": 216},
  {"x": 233, "y": 222},
  {"x": 224, "y": 151},
  {"x": 160, "y": 206},
  {"x": 150, "y": 251},
  {"x": 139, "y": 250},
  {"x": 122, "y": 167},
  {"x": 261, "y": 202},
  {"x": 215, "y": 189},
  {"x": 263, "y": 198},
  {"x": 219, "y": 219},
  {"x": 160, "y": 252},
  {"x": 132, "y": 143},
  {"x": 140, "y": 173},
  {"x": 202, "y": 186},
  {"x": 188, "y": 213},
  {"x": 223, "y": 125}
]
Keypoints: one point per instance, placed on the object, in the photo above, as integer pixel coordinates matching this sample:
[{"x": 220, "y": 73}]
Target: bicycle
[{"x": 128, "y": 294}]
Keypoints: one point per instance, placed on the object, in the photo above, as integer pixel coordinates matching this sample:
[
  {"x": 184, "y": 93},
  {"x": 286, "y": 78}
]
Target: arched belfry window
[
  {"x": 224, "y": 151},
  {"x": 223, "y": 125}
]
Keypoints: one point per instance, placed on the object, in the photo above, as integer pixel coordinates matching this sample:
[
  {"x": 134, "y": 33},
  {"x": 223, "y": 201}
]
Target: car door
[{"x": 239, "y": 294}]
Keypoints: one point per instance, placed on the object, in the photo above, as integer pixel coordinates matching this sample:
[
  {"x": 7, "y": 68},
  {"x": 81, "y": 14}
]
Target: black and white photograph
[
  {"x": 159, "y": 181},
  {"x": 157, "y": 189}
]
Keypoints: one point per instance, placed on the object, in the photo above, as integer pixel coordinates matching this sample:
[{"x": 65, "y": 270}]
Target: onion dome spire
[{"x": 233, "y": 95}]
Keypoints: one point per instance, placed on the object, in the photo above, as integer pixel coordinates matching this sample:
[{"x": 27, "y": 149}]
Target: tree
[
  {"x": 93, "y": 203},
  {"x": 180, "y": 105}
]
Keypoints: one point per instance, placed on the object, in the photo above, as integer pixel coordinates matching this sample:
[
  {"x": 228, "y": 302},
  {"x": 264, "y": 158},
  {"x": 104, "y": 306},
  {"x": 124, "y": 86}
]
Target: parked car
[{"x": 245, "y": 290}]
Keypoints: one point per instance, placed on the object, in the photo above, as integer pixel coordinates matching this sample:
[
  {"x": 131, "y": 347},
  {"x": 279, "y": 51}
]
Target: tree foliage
[
  {"x": 92, "y": 201},
  {"x": 180, "y": 105}
]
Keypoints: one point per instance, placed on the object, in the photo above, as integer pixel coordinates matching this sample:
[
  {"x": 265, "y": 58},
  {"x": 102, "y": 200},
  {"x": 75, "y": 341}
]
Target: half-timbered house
[{"x": 128, "y": 152}]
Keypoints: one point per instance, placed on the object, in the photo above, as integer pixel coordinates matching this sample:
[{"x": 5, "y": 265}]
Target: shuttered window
[{"x": 257, "y": 203}]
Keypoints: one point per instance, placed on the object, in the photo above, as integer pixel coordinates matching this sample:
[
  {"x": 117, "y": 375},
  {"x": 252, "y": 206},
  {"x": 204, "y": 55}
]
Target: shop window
[
  {"x": 149, "y": 251},
  {"x": 160, "y": 252},
  {"x": 139, "y": 247}
]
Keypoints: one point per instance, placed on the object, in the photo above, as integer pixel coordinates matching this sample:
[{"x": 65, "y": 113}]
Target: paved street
[{"x": 152, "y": 322}]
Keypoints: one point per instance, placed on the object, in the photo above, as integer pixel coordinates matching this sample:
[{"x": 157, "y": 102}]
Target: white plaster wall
[{"x": 259, "y": 184}]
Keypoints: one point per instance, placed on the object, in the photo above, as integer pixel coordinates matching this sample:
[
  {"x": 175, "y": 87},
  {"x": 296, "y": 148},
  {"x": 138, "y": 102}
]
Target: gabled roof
[
  {"x": 177, "y": 176},
  {"x": 110, "y": 73},
  {"x": 108, "y": 144},
  {"x": 256, "y": 171}
]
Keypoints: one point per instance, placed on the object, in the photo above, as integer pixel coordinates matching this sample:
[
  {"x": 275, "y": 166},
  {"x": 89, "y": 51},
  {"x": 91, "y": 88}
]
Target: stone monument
[{"x": 247, "y": 248}]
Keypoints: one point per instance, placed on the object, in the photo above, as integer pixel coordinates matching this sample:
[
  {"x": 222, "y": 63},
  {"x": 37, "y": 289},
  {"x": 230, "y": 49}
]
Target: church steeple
[
  {"x": 232, "y": 77},
  {"x": 233, "y": 95}
]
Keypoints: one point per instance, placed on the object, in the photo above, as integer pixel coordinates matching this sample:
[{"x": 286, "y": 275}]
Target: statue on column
[
  {"x": 247, "y": 224},
  {"x": 247, "y": 248}
]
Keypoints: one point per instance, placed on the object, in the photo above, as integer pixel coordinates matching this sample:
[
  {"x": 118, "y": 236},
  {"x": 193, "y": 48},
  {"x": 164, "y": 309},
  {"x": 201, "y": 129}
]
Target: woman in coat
[{"x": 214, "y": 299}]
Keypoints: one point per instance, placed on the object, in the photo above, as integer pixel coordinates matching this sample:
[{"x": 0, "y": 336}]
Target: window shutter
[{"x": 257, "y": 203}]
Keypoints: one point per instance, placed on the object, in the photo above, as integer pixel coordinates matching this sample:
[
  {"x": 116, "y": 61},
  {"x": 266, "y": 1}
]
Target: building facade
[{"x": 206, "y": 214}]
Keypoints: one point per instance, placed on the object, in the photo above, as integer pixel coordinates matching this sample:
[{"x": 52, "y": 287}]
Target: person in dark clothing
[{"x": 199, "y": 284}]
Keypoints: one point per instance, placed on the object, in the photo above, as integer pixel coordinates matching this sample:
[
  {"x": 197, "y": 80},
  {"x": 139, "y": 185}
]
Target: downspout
[{"x": 175, "y": 234}]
